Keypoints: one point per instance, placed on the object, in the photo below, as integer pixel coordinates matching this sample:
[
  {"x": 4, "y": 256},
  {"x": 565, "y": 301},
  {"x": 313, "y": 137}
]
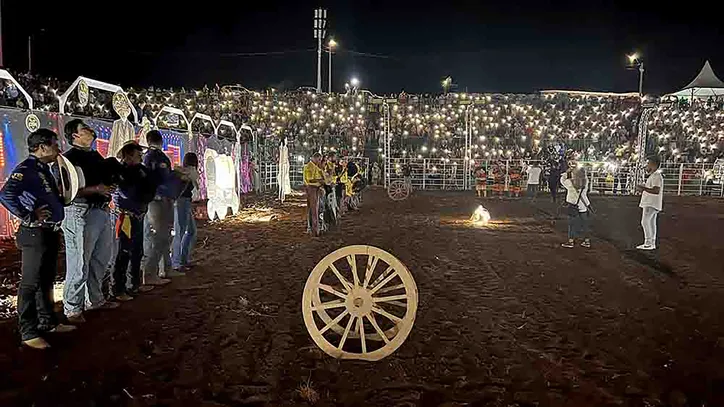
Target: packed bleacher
[{"x": 597, "y": 128}]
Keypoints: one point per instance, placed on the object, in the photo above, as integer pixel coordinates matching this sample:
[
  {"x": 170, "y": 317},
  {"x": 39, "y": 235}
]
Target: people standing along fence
[
  {"x": 32, "y": 195},
  {"x": 86, "y": 227}
]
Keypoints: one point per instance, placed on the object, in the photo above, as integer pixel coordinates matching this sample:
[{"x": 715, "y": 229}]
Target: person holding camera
[
  {"x": 31, "y": 193},
  {"x": 87, "y": 227},
  {"x": 575, "y": 182}
]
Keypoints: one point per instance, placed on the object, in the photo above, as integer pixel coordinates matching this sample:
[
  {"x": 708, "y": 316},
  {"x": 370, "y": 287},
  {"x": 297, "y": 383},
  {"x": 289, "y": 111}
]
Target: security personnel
[{"x": 31, "y": 194}]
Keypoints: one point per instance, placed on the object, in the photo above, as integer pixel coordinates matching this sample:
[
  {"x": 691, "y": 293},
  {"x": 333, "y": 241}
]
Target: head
[
  {"x": 578, "y": 177},
  {"x": 130, "y": 153},
  {"x": 79, "y": 134},
  {"x": 154, "y": 138},
  {"x": 43, "y": 144},
  {"x": 317, "y": 158},
  {"x": 652, "y": 163},
  {"x": 332, "y": 157},
  {"x": 191, "y": 160}
]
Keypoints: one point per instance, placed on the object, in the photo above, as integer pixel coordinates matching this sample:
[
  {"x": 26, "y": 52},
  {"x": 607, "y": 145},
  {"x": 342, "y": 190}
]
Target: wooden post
[{"x": 681, "y": 174}]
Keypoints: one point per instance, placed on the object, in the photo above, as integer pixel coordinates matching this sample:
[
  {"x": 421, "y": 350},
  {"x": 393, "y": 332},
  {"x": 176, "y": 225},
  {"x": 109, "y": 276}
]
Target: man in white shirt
[
  {"x": 652, "y": 201},
  {"x": 534, "y": 172}
]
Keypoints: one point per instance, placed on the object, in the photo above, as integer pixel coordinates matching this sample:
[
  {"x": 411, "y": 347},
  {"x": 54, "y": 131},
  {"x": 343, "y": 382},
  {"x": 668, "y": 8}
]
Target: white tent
[{"x": 705, "y": 85}]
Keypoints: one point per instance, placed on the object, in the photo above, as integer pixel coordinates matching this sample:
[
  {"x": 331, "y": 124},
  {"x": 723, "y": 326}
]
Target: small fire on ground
[{"x": 480, "y": 217}]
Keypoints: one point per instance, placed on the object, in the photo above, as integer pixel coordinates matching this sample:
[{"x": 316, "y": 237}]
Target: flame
[{"x": 481, "y": 216}]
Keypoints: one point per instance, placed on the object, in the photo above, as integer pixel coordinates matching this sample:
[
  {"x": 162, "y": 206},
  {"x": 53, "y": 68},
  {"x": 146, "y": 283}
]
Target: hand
[
  {"x": 104, "y": 189},
  {"x": 42, "y": 213},
  {"x": 640, "y": 187}
]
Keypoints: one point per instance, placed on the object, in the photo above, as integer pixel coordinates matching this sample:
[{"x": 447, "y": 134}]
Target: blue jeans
[
  {"x": 157, "y": 238},
  {"x": 88, "y": 240},
  {"x": 578, "y": 225},
  {"x": 184, "y": 233}
]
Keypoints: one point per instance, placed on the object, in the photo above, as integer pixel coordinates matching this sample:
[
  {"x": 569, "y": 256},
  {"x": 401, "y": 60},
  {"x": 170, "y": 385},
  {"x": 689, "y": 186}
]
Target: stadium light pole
[
  {"x": 320, "y": 31},
  {"x": 330, "y": 47},
  {"x": 635, "y": 61}
]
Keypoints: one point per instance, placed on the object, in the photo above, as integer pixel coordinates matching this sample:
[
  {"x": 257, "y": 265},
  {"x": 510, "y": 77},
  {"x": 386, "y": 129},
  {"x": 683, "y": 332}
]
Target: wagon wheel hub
[{"x": 359, "y": 302}]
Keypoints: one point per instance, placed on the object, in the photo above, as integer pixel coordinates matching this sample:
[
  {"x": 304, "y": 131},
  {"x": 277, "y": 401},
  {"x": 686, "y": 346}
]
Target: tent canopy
[{"x": 705, "y": 85}]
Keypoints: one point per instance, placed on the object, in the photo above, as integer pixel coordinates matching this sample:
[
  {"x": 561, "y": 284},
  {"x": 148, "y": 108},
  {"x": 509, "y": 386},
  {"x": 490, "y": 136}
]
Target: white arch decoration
[
  {"x": 92, "y": 83},
  {"x": 6, "y": 75},
  {"x": 172, "y": 110},
  {"x": 227, "y": 124}
]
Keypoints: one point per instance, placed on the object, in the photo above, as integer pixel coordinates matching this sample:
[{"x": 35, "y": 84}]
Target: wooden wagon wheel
[
  {"x": 398, "y": 190},
  {"x": 361, "y": 313}
]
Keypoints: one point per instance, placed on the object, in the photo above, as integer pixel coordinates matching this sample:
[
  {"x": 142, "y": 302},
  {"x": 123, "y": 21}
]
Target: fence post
[
  {"x": 507, "y": 174},
  {"x": 424, "y": 172},
  {"x": 701, "y": 179},
  {"x": 681, "y": 175}
]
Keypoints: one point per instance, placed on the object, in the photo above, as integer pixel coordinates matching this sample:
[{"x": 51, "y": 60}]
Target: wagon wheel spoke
[
  {"x": 346, "y": 332},
  {"x": 392, "y": 288},
  {"x": 353, "y": 265},
  {"x": 345, "y": 283},
  {"x": 362, "y": 338},
  {"x": 381, "y": 277},
  {"x": 386, "y": 314},
  {"x": 371, "y": 265},
  {"x": 332, "y": 291},
  {"x": 390, "y": 298},
  {"x": 383, "y": 282},
  {"x": 382, "y": 335},
  {"x": 333, "y": 322},
  {"x": 328, "y": 305}
]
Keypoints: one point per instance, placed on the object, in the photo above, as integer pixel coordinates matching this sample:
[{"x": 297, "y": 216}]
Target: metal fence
[
  {"x": 604, "y": 178},
  {"x": 269, "y": 172}
]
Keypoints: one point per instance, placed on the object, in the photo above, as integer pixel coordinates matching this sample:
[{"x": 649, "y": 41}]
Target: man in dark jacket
[
  {"x": 135, "y": 190},
  {"x": 32, "y": 195}
]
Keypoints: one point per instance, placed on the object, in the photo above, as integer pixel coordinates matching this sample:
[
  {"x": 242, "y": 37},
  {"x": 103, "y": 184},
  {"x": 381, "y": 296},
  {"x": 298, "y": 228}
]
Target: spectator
[
  {"x": 575, "y": 182},
  {"x": 185, "y": 223},
  {"x": 652, "y": 201},
  {"x": 86, "y": 227}
]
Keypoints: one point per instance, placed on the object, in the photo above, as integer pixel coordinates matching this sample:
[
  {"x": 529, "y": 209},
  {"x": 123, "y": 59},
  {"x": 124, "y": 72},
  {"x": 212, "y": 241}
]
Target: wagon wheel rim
[
  {"x": 398, "y": 190},
  {"x": 371, "y": 312}
]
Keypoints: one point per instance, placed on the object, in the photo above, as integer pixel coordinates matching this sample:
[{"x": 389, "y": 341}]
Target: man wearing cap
[
  {"x": 86, "y": 227},
  {"x": 31, "y": 194}
]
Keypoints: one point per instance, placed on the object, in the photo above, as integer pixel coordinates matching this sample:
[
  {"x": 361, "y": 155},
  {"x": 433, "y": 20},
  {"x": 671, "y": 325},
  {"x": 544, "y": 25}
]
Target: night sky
[{"x": 510, "y": 46}]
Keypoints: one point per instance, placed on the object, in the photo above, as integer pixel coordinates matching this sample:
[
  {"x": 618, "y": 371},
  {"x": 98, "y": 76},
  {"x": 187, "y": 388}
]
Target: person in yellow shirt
[{"x": 313, "y": 180}]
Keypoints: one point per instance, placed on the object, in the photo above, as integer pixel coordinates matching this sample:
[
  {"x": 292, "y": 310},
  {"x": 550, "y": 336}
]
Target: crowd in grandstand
[{"x": 598, "y": 128}]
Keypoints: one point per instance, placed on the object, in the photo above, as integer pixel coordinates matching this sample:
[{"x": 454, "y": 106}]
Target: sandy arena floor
[{"x": 506, "y": 316}]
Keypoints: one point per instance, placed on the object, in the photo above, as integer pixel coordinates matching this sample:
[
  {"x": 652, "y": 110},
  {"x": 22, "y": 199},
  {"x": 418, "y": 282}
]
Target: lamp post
[
  {"x": 635, "y": 61},
  {"x": 320, "y": 31},
  {"x": 330, "y": 47}
]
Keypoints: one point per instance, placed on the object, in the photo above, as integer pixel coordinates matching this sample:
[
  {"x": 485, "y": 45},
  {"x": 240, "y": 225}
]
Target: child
[
  {"x": 481, "y": 182},
  {"x": 652, "y": 201},
  {"x": 184, "y": 222},
  {"x": 135, "y": 190}
]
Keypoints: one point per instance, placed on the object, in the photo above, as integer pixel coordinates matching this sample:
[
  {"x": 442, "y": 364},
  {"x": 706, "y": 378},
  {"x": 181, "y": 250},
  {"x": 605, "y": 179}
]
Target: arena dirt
[{"x": 506, "y": 316}]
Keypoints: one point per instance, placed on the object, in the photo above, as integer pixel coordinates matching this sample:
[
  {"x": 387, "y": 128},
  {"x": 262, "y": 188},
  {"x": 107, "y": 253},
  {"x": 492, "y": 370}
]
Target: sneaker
[
  {"x": 76, "y": 319},
  {"x": 61, "y": 329},
  {"x": 568, "y": 245},
  {"x": 144, "y": 289},
  {"x": 157, "y": 281},
  {"x": 105, "y": 305},
  {"x": 122, "y": 298},
  {"x": 586, "y": 244},
  {"x": 646, "y": 246},
  {"x": 176, "y": 273},
  {"x": 36, "y": 343}
]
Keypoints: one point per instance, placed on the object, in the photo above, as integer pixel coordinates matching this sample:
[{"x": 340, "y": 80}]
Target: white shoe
[{"x": 646, "y": 246}]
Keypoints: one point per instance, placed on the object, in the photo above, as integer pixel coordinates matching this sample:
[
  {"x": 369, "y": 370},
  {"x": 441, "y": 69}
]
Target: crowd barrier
[{"x": 693, "y": 179}]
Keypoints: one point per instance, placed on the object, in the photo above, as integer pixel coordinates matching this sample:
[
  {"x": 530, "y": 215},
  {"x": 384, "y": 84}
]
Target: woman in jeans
[
  {"x": 184, "y": 222},
  {"x": 577, "y": 204}
]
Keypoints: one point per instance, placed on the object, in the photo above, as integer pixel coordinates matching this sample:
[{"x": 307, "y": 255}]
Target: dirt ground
[{"x": 506, "y": 316}]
